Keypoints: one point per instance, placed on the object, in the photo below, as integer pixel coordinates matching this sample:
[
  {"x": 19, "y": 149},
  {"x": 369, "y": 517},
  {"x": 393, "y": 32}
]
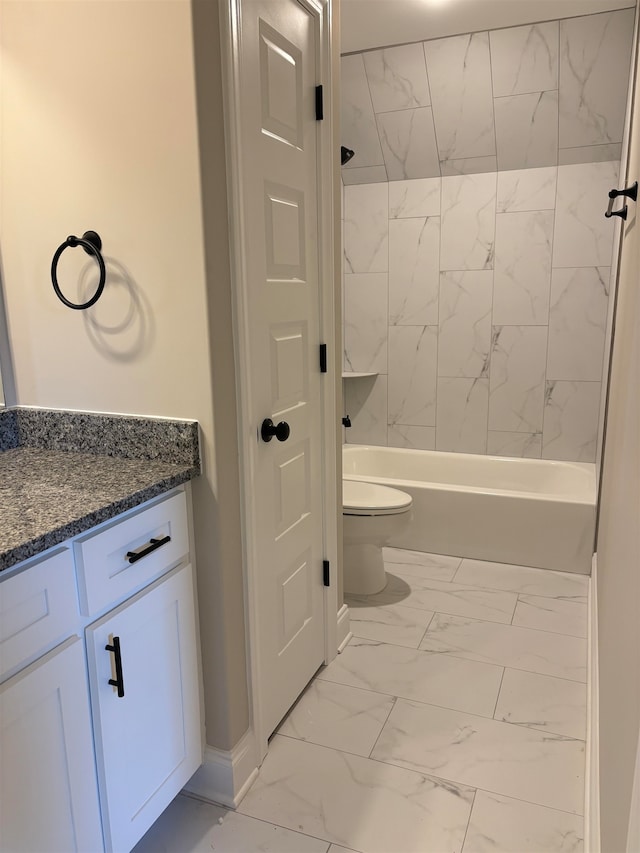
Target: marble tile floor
[{"x": 454, "y": 720}]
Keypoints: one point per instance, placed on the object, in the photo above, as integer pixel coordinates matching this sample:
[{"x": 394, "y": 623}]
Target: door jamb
[{"x": 230, "y": 42}]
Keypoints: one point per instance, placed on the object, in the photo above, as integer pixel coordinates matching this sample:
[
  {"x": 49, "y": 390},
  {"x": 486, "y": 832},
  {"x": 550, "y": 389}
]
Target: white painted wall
[
  {"x": 100, "y": 132},
  {"x": 618, "y": 546},
  {"x": 376, "y": 23}
]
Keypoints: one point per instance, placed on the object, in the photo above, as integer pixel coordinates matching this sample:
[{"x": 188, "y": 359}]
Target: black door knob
[{"x": 268, "y": 430}]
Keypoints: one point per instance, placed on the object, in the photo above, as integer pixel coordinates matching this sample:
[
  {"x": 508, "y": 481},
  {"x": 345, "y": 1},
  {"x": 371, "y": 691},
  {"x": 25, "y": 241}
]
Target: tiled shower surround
[{"x": 480, "y": 299}]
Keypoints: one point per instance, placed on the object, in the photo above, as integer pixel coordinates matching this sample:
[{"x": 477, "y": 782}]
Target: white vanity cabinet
[
  {"x": 147, "y": 734},
  {"x": 88, "y": 764},
  {"x": 48, "y": 793}
]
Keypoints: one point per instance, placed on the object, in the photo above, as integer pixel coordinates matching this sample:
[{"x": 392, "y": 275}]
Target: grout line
[
  {"x": 495, "y": 707},
  {"x": 466, "y": 832},
  {"x": 393, "y": 705}
]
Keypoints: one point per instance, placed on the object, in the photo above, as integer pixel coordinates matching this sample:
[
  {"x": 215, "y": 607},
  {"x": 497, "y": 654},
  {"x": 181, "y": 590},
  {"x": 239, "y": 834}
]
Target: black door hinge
[
  {"x": 319, "y": 104},
  {"x": 323, "y": 358},
  {"x": 326, "y": 574}
]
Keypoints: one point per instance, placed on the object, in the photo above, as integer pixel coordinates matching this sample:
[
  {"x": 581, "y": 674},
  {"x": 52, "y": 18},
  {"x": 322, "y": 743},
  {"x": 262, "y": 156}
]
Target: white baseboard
[
  {"x": 225, "y": 776},
  {"x": 592, "y": 774},
  {"x": 344, "y": 634}
]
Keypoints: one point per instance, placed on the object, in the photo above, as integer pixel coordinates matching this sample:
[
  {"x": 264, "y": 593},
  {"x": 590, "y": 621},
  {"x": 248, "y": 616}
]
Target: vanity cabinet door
[
  {"x": 147, "y": 721},
  {"x": 48, "y": 788}
]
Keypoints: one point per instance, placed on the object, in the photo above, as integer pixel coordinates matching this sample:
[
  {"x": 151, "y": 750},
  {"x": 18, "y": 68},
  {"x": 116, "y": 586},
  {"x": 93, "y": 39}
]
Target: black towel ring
[{"x": 91, "y": 243}]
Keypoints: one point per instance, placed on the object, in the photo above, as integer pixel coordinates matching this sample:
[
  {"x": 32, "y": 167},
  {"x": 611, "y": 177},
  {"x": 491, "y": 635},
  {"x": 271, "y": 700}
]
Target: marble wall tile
[
  {"x": 366, "y": 404},
  {"x": 577, "y": 323},
  {"x": 409, "y": 144},
  {"x": 534, "y": 766},
  {"x": 366, "y": 228},
  {"x": 459, "y": 70},
  {"x": 415, "y": 198},
  {"x": 522, "y": 445},
  {"x": 461, "y": 420},
  {"x": 522, "y": 277},
  {"x": 595, "y": 53},
  {"x": 590, "y": 154},
  {"x": 358, "y": 123},
  {"x": 582, "y": 236},
  {"x": 571, "y": 421},
  {"x": 365, "y": 325},
  {"x": 527, "y": 189},
  {"x": 414, "y": 437},
  {"x": 469, "y": 166},
  {"x": 364, "y": 175},
  {"x": 468, "y": 222},
  {"x": 412, "y": 375},
  {"x": 524, "y": 59},
  {"x": 397, "y": 78},
  {"x": 527, "y": 130},
  {"x": 500, "y": 825},
  {"x": 414, "y": 271},
  {"x": 516, "y": 396},
  {"x": 464, "y": 338}
]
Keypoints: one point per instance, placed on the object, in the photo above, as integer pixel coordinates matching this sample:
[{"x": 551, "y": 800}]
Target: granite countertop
[{"x": 62, "y": 473}]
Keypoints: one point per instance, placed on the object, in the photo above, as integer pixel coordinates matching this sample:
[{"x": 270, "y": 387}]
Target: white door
[
  {"x": 148, "y": 741},
  {"x": 48, "y": 787},
  {"x": 278, "y": 64}
]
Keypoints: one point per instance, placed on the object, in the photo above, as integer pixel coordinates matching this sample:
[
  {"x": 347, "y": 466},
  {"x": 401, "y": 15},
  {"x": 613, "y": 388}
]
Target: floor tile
[
  {"x": 512, "y": 760},
  {"x": 389, "y": 623},
  {"x": 502, "y": 825},
  {"x": 508, "y": 645},
  {"x": 334, "y": 848},
  {"x": 191, "y": 826},
  {"x": 456, "y": 599},
  {"x": 421, "y": 565},
  {"x": 398, "y": 671},
  {"x": 523, "y": 579},
  {"x": 542, "y": 702},
  {"x": 355, "y": 802},
  {"x": 549, "y": 614},
  {"x": 335, "y": 715}
]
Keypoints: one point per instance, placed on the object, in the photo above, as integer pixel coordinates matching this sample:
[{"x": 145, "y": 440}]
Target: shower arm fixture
[{"x": 345, "y": 154}]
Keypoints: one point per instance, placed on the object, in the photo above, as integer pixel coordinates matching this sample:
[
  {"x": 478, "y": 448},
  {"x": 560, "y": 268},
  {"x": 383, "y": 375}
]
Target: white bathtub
[{"x": 532, "y": 512}]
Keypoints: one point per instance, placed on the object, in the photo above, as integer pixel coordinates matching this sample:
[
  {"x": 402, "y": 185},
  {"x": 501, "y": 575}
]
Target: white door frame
[{"x": 230, "y": 38}]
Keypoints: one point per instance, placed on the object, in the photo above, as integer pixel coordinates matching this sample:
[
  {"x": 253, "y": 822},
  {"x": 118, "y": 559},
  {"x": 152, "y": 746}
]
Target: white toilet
[{"x": 372, "y": 514}]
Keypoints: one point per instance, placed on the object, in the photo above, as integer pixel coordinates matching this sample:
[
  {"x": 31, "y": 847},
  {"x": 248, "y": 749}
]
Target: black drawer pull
[
  {"x": 118, "y": 681},
  {"x": 143, "y": 550}
]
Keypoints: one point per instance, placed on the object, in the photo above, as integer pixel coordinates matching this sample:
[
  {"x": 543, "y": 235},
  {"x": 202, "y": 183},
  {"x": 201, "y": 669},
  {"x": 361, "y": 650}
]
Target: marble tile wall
[
  {"x": 480, "y": 303},
  {"x": 477, "y": 257},
  {"x": 524, "y": 97}
]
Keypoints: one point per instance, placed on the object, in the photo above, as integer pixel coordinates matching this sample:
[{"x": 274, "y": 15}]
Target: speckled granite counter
[{"x": 62, "y": 473}]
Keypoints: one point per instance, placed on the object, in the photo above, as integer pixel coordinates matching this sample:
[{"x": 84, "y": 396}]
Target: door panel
[{"x": 279, "y": 130}]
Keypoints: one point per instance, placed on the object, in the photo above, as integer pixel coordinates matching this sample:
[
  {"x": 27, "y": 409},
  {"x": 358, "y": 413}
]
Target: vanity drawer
[
  {"x": 124, "y": 556},
  {"x": 38, "y": 609}
]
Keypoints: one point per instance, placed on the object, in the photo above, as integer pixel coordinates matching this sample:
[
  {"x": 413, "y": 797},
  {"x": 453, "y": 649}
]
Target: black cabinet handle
[
  {"x": 118, "y": 681},
  {"x": 143, "y": 550},
  {"x": 268, "y": 430}
]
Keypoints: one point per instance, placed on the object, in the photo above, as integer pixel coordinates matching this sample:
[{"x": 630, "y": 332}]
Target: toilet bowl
[{"x": 372, "y": 514}]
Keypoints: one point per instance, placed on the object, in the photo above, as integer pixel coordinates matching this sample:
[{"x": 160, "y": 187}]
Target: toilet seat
[{"x": 360, "y": 498}]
